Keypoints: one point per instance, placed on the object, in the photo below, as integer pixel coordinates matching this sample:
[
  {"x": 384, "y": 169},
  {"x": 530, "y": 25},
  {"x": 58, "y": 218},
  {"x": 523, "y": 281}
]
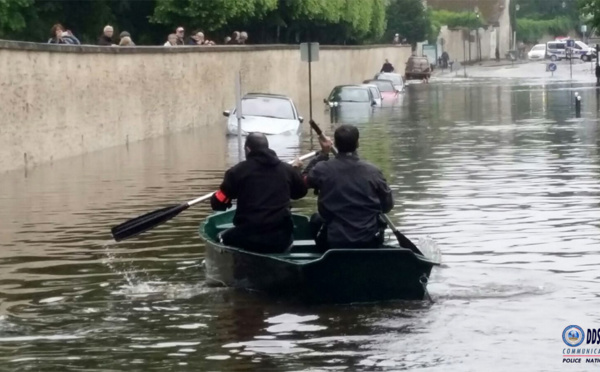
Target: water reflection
[{"x": 499, "y": 173}]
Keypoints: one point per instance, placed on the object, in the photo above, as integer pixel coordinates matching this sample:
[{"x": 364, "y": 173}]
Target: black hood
[{"x": 265, "y": 157}]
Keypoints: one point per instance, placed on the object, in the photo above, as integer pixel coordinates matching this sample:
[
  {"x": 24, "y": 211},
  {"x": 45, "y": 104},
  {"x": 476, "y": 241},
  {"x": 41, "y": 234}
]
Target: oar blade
[
  {"x": 406, "y": 243},
  {"x": 146, "y": 222}
]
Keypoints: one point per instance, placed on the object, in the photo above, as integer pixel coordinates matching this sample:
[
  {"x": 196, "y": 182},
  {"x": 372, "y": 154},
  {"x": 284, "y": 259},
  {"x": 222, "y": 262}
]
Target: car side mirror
[
  {"x": 325, "y": 101},
  {"x": 226, "y": 113},
  {"x": 373, "y": 103},
  {"x": 300, "y": 119},
  {"x": 397, "y": 90}
]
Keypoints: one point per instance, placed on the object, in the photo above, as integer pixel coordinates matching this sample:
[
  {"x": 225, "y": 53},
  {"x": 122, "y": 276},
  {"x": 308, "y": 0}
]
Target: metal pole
[
  {"x": 310, "y": 81},
  {"x": 571, "y": 61},
  {"x": 597, "y": 65},
  {"x": 238, "y": 113},
  {"x": 464, "y": 58}
]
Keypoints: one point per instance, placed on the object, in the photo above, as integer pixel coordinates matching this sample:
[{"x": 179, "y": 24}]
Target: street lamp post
[
  {"x": 517, "y": 7},
  {"x": 478, "y": 41}
]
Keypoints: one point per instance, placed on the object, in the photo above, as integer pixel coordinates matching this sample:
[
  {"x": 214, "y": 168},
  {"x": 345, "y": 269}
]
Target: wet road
[{"x": 498, "y": 173}]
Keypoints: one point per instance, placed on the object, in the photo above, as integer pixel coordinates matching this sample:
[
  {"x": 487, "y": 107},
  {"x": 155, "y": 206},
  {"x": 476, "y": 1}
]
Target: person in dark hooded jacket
[
  {"x": 352, "y": 195},
  {"x": 263, "y": 186}
]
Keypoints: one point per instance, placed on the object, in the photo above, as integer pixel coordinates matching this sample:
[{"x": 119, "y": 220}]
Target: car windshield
[
  {"x": 383, "y": 85},
  {"x": 350, "y": 94},
  {"x": 268, "y": 106},
  {"x": 396, "y": 79},
  {"x": 539, "y": 47}
]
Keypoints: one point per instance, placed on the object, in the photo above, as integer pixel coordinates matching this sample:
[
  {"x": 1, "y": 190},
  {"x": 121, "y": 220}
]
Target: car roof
[
  {"x": 369, "y": 85},
  {"x": 270, "y": 95},
  {"x": 389, "y": 81},
  {"x": 348, "y": 86},
  {"x": 388, "y": 73}
]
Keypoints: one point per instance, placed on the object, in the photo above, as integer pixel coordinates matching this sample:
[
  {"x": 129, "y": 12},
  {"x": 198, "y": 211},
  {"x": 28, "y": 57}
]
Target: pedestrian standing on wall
[
  {"x": 235, "y": 37},
  {"x": 243, "y": 37},
  {"x": 180, "y": 33},
  {"x": 106, "y": 37},
  {"x": 126, "y": 41},
  {"x": 129, "y": 41},
  {"x": 171, "y": 40},
  {"x": 58, "y": 35}
]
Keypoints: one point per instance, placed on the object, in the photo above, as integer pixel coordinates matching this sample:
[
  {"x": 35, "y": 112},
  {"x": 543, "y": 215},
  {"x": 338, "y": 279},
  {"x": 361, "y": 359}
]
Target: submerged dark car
[
  {"x": 350, "y": 94},
  {"x": 350, "y": 104}
]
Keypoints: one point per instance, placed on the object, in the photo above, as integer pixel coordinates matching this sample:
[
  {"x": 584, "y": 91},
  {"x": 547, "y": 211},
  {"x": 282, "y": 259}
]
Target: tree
[
  {"x": 12, "y": 15},
  {"x": 409, "y": 19},
  {"x": 210, "y": 15},
  {"x": 591, "y": 9}
]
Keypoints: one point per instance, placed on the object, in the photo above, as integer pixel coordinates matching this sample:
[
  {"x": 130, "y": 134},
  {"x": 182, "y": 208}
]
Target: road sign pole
[
  {"x": 597, "y": 65},
  {"x": 569, "y": 51}
]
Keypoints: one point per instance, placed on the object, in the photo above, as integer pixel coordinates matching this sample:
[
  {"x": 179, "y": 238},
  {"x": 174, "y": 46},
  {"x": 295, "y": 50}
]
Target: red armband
[{"x": 220, "y": 195}]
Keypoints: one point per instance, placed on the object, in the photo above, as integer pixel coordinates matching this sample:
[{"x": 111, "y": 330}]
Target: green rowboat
[{"x": 337, "y": 276}]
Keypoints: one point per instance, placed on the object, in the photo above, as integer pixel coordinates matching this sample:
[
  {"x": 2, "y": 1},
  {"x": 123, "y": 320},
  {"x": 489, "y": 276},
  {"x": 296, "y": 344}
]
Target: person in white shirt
[{"x": 171, "y": 40}]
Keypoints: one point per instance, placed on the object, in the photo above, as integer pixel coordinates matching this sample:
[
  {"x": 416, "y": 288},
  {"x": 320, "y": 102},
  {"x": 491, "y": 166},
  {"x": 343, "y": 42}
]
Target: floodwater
[{"x": 498, "y": 172}]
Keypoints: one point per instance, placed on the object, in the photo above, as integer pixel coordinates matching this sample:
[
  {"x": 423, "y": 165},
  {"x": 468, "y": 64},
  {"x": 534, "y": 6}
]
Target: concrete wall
[{"x": 60, "y": 101}]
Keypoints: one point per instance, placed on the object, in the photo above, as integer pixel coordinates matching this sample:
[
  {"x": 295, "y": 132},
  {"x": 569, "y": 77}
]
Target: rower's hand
[
  {"x": 297, "y": 163},
  {"x": 326, "y": 144}
]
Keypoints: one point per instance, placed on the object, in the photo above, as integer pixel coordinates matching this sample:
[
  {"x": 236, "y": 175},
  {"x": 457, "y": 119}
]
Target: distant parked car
[
  {"x": 417, "y": 68},
  {"x": 350, "y": 94},
  {"x": 396, "y": 79},
  {"x": 388, "y": 92},
  {"x": 265, "y": 113},
  {"x": 375, "y": 93},
  {"x": 537, "y": 52}
]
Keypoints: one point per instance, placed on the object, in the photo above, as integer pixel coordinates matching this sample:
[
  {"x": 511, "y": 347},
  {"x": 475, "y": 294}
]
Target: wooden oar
[
  {"x": 402, "y": 240},
  {"x": 148, "y": 221}
]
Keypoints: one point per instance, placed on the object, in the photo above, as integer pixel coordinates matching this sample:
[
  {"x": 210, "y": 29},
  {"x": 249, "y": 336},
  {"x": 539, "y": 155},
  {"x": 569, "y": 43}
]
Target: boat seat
[
  {"x": 303, "y": 243},
  {"x": 300, "y": 256}
]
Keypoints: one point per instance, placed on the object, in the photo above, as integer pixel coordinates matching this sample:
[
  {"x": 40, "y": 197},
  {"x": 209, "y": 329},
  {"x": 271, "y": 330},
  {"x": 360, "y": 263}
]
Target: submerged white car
[
  {"x": 537, "y": 52},
  {"x": 265, "y": 113},
  {"x": 396, "y": 79}
]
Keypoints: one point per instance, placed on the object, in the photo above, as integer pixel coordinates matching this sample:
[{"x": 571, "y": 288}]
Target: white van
[
  {"x": 556, "y": 50},
  {"x": 581, "y": 50}
]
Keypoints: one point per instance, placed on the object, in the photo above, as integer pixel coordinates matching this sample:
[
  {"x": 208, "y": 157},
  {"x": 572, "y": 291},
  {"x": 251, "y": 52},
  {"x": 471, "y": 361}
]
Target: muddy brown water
[{"x": 498, "y": 173}]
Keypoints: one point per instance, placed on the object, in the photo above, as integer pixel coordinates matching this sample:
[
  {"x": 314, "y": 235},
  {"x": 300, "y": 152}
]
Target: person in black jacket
[
  {"x": 387, "y": 67},
  {"x": 352, "y": 195},
  {"x": 263, "y": 186},
  {"x": 106, "y": 37}
]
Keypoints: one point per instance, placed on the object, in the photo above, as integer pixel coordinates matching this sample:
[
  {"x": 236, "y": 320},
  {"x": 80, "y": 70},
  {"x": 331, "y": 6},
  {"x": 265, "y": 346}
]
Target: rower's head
[
  {"x": 346, "y": 138},
  {"x": 255, "y": 142}
]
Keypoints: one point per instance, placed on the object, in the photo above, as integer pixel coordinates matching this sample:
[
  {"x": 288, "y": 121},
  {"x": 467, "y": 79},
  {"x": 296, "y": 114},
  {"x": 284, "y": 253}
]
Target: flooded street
[{"x": 499, "y": 173}]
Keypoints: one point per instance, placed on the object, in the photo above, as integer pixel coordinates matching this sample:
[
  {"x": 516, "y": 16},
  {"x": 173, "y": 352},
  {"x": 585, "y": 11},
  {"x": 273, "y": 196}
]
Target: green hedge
[{"x": 455, "y": 19}]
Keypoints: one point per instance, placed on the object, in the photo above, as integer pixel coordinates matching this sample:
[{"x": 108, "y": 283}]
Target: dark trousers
[
  {"x": 269, "y": 241},
  {"x": 318, "y": 231}
]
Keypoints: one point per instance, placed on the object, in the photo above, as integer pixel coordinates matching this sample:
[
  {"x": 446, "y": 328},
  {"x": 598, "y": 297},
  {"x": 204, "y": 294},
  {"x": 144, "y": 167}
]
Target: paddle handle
[{"x": 207, "y": 196}]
